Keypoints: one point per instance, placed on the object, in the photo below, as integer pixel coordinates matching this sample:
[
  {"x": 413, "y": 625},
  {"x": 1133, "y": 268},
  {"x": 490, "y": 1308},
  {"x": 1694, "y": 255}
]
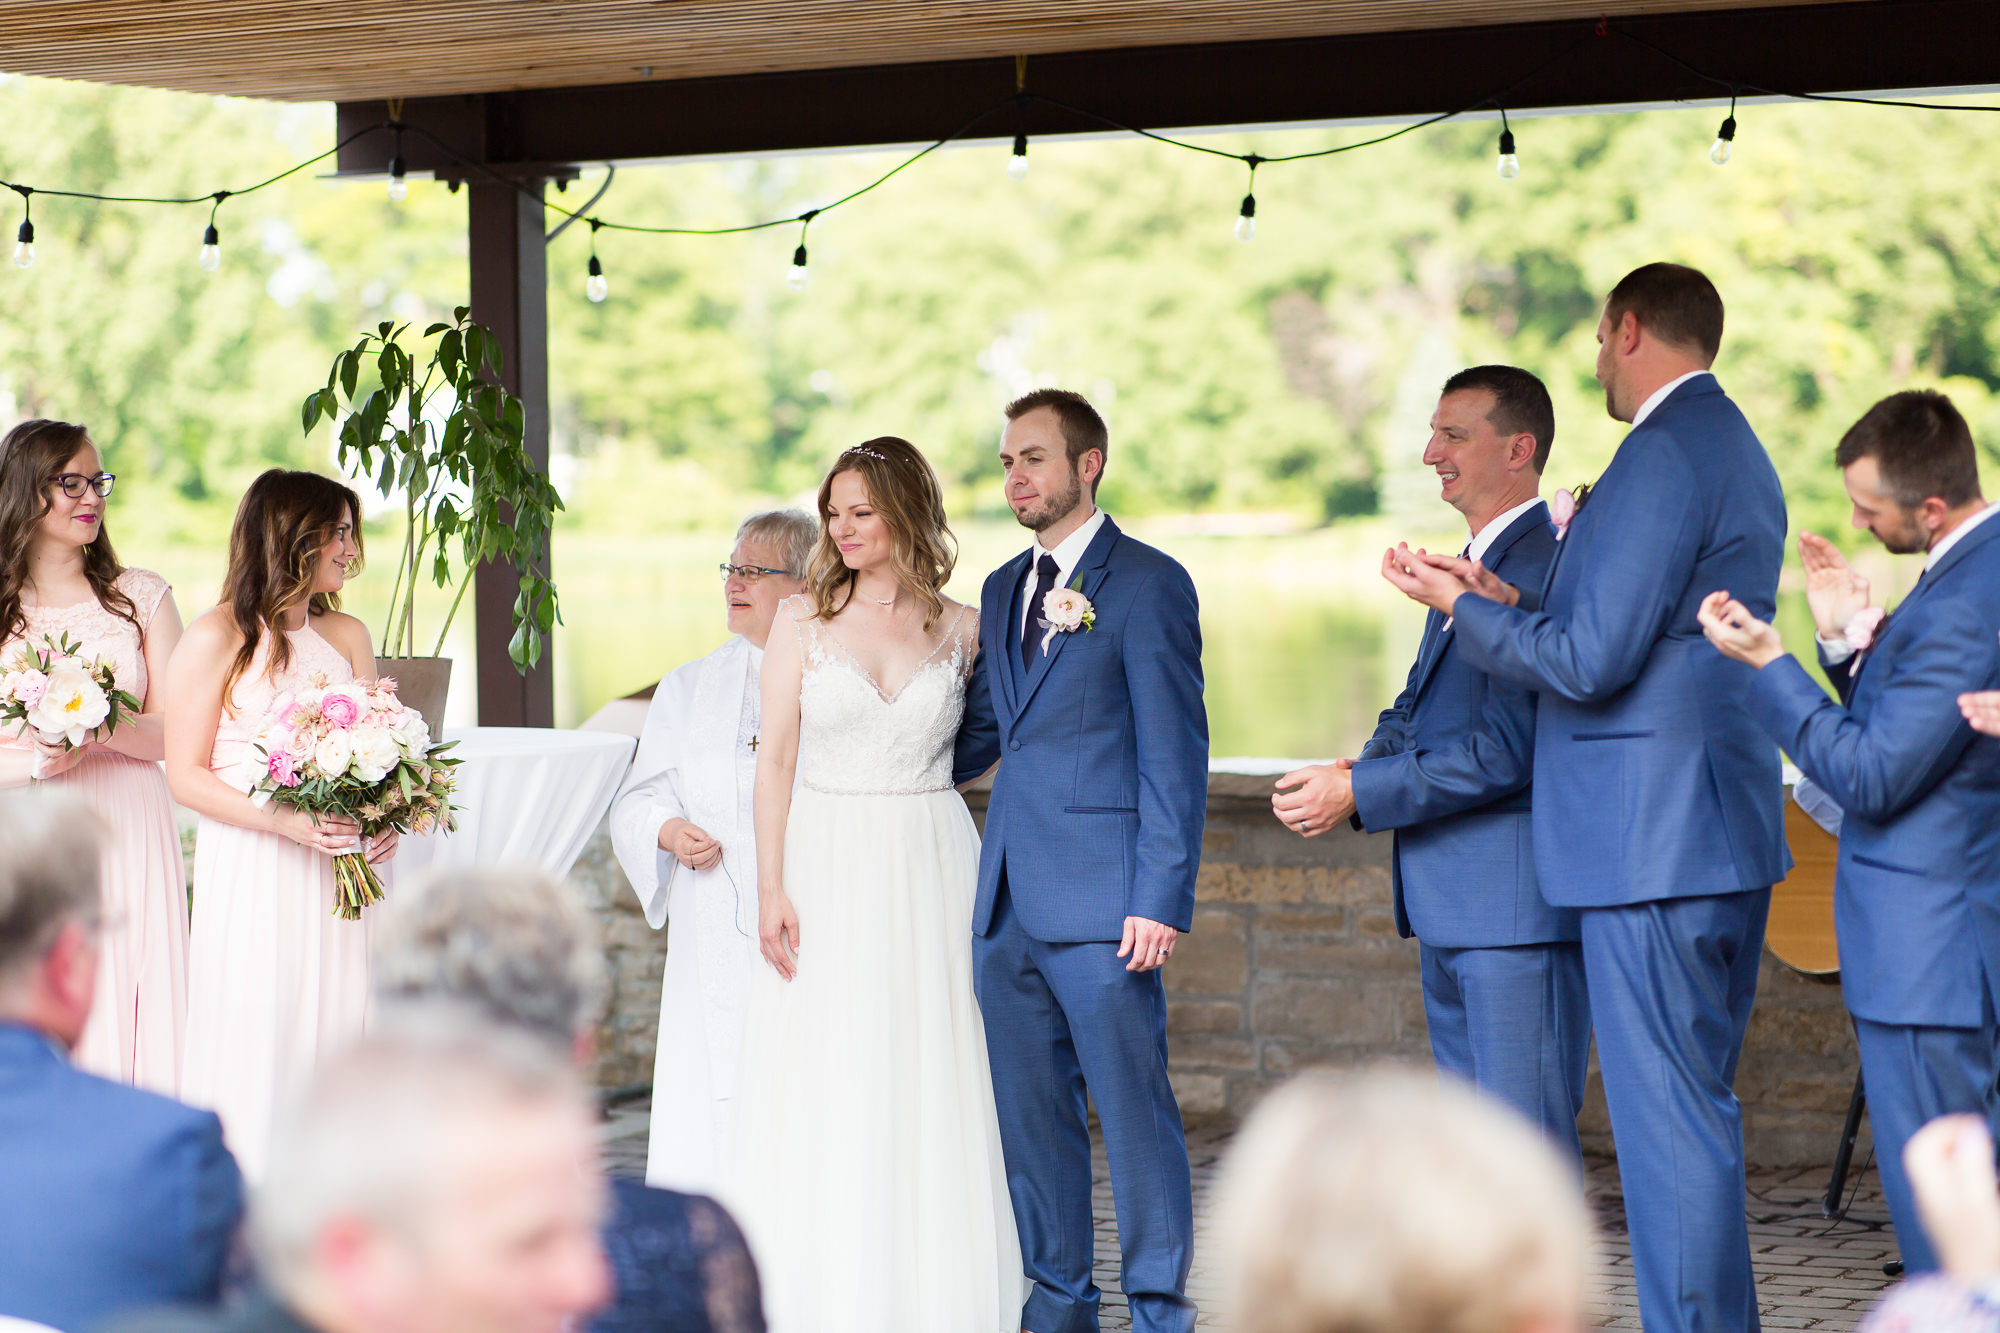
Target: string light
[
  {"x": 24, "y": 243},
  {"x": 211, "y": 240},
  {"x": 1509, "y": 165},
  {"x": 796, "y": 278},
  {"x": 1725, "y": 138},
  {"x": 596, "y": 287},
  {"x": 1246, "y": 217},
  {"x": 1017, "y": 165},
  {"x": 399, "y": 189}
]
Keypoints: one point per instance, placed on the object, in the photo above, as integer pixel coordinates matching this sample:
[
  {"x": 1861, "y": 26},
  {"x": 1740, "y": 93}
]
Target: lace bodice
[
  {"x": 102, "y": 633},
  {"x": 855, "y": 740},
  {"x": 257, "y": 689}
]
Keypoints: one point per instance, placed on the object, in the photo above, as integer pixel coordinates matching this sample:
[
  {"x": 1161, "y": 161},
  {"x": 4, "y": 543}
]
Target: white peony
[
  {"x": 375, "y": 753},
  {"x": 413, "y": 733},
  {"x": 72, "y": 706},
  {"x": 334, "y": 753}
]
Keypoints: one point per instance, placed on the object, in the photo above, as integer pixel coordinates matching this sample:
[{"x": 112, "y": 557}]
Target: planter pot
[{"x": 421, "y": 683}]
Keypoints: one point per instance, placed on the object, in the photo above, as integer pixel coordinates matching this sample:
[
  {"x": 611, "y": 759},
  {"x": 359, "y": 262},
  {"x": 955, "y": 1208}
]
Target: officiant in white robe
[{"x": 681, "y": 827}]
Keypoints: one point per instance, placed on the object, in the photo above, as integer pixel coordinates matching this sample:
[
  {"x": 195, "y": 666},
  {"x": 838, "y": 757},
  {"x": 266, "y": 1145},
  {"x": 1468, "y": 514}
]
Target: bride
[{"x": 868, "y": 1174}]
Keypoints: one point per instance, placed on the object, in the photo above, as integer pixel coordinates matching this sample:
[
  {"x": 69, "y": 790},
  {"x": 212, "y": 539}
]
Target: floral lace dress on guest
[
  {"x": 680, "y": 1264},
  {"x": 275, "y": 980},
  {"x": 140, "y": 1013}
]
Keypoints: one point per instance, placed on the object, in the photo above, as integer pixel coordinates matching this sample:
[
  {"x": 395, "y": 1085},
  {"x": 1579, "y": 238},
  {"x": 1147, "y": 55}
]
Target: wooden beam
[
  {"x": 510, "y": 296},
  {"x": 1869, "y": 44}
]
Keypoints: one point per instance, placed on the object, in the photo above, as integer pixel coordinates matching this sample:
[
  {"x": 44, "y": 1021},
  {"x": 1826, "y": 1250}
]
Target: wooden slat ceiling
[{"x": 304, "y": 50}]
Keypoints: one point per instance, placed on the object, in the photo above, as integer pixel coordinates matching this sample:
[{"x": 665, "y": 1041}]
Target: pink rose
[
  {"x": 1860, "y": 631},
  {"x": 30, "y": 686},
  {"x": 1562, "y": 512},
  {"x": 340, "y": 710},
  {"x": 281, "y": 769}
]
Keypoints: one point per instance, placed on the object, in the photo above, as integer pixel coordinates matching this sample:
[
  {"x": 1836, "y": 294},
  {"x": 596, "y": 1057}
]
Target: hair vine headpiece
[{"x": 863, "y": 451}]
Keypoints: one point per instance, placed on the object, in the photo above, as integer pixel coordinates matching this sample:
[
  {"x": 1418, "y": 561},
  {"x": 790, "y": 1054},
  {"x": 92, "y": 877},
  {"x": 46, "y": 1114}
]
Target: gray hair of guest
[
  {"x": 49, "y": 849},
  {"x": 791, "y": 531},
  {"x": 372, "y": 1135},
  {"x": 509, "y": 942}
]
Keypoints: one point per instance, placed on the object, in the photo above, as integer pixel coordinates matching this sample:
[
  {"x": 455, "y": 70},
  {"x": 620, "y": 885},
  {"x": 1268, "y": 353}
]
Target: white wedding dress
[{"x": 868, "y": 1172}]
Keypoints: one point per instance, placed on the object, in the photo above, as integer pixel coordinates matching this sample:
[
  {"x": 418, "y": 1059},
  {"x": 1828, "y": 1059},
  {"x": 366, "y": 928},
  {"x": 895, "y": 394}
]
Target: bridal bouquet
[
  {"x": 353, "y": 750},
  {"x": 59, "y": 693}
]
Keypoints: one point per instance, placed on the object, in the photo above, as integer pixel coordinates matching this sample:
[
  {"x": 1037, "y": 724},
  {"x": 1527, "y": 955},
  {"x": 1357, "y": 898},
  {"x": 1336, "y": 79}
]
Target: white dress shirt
[
  {"x": 1067, "y": 553},
  {"x": 1837, "y": 648},
  {"x": 1482, "y": 540},
  {"x": 1660, "y": 396}
]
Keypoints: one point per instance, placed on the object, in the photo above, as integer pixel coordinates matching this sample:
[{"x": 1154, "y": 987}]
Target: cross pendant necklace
[{"x": 753, "y": 745}]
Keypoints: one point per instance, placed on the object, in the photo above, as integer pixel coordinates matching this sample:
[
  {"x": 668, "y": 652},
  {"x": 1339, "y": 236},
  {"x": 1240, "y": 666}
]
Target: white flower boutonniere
[{"x": 1065, "y": 611}]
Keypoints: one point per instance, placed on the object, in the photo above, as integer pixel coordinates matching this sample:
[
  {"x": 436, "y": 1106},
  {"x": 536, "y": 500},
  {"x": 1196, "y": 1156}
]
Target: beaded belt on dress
[{"x": 810, "y": 785}]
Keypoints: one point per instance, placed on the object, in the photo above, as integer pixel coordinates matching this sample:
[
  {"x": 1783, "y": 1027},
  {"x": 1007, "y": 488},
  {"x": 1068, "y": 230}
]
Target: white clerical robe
[{"x": 695, "y": 761}]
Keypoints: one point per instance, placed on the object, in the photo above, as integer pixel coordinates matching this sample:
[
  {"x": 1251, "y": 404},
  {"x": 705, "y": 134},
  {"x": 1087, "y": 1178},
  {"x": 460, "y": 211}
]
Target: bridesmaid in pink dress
[
  {"x": 276, "y": 982},
  {"x": 58, "y": 575}
]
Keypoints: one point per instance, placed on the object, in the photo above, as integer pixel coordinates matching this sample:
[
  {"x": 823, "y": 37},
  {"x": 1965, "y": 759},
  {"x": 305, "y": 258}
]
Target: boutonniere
[
  {"x": 1564, "y": 508},
  {"x": 1065, "y": 611},
  {"x": 1861, "y": 631}
]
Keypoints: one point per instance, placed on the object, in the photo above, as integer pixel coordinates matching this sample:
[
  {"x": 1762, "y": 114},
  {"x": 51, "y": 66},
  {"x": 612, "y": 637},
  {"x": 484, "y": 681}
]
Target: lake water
[{"x": 1303, "y": 643}]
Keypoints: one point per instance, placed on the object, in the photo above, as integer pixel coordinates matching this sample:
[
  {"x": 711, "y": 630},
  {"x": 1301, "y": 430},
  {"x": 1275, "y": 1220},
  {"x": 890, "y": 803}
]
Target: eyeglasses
[
  {"x": 752, "y": 573},
  {"x": 75, "y": 483}
]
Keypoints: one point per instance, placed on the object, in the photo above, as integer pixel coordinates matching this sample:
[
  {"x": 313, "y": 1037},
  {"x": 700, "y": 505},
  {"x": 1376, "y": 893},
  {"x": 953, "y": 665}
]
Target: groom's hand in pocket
[{"x": 1148, "y": 944}]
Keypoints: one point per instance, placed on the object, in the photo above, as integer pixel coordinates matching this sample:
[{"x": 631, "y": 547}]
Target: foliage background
[{"x": 1281, "y": 385}]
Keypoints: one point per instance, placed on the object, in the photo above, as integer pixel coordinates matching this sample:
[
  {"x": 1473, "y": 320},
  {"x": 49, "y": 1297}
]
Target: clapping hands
[
  {"x": 1439, "y": 580},
  {"x": 1738, "y": 634},
  {"x": 1835, "y": 591}
]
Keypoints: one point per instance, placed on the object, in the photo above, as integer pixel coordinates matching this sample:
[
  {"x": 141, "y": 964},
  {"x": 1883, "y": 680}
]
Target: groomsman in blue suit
[
  {"x": 1657, "y": 799},
  {"x": 111, "y": 1199},
  {"x": 1917, "y": 891},
  {"x": 1086, "y": 875},
  {"x": 1449, "y": 769}
]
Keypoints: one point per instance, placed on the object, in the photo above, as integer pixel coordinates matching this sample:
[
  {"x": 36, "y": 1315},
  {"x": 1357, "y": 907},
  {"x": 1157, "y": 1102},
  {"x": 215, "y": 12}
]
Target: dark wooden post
[{"x": 510, "y": 296}]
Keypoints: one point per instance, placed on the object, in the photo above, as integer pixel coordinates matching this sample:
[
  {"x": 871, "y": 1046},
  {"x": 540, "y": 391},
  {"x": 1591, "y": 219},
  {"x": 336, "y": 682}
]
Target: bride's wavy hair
[
  {"x": 904, "y": 489},
  {"x": 284, "y": 521},
  {"x": 30, "y": 457}
]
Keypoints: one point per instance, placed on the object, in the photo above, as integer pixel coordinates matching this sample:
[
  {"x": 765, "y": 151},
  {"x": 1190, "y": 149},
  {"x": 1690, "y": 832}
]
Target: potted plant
[{"x": 453, "y": 441}]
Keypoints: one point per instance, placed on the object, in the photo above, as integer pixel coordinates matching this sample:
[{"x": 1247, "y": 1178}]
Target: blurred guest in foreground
[
  {"x": 1949, "y": 1163},
  {"x": 681, "y": 827},
  {"x": 516, "y": 948},
  {"x": 59, "y": 578},
  {"x": 1916, "y": 785},
  {"x": 1391, "y": 1203},
  {"x": 440, "y": 1179},
  {"x": 110, "y": 1198}
]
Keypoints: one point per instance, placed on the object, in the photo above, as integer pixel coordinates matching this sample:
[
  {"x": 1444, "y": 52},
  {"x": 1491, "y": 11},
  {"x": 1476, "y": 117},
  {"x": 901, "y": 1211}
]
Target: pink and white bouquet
[
  {"x": 354, "y": 750},
  {"x": 61, "y": 694}
]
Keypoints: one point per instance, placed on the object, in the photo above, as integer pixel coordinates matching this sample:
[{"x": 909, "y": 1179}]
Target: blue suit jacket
[
  {"x": 1918, "y": 883},
  {"x": 111, "y": 1198},
  {"x": 1651, "y": 779},
  {"x": 1449, "y": 769},
  {"x": 1098, "y": 808}
]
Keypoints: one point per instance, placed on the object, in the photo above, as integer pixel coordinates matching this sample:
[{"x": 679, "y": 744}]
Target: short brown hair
[
  {"x": 1520, "y": 404},
  {"x": 1082, "y": 429},
  {"x": 1921, "y": 445},
  {"x": 1674, "y": 303}
]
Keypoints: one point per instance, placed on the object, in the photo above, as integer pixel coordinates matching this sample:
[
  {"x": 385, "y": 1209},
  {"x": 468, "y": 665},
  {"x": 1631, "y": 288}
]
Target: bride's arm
[{"x": 777, "y": 763}]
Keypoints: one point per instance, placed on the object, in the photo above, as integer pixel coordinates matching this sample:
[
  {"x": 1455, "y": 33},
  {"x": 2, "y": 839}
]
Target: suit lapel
[
  {"x": 1092, "y": 569},
  {"x": 1008, "y": 633},
  {"x": 1430, "y": 652},
  {"x": 1971, "y": 542}
]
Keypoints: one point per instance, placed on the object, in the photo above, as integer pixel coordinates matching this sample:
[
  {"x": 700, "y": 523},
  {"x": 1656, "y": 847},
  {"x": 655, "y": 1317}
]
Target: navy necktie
[{"x": 1045, "y": 571}]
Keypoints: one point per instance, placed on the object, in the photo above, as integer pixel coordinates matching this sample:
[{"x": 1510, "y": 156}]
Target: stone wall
[{"x": 1294, "y": 963}]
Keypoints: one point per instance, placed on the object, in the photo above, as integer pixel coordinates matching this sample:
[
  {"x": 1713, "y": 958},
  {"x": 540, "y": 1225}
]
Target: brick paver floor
[{"x": 1811, "y": 1273}]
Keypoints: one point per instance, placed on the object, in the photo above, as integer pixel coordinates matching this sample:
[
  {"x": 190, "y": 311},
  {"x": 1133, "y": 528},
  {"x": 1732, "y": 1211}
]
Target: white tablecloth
[{"x": 525, "y": 794}]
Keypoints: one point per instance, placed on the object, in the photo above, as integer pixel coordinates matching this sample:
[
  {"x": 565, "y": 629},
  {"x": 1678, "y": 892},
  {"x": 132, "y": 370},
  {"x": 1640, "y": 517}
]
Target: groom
[{"x": 1086, "y": 876}]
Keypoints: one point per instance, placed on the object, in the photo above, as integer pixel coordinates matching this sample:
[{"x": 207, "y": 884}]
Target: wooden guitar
[{"x": 1800, "y": 932}]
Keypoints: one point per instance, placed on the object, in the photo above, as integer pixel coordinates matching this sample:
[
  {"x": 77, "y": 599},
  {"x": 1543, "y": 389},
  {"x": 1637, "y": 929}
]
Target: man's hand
[
  {"x": 1738, "y": 634},
  {"x": 1415, "y": 577},
  {"x": 1982, "y": 710},
  {"x": 1474, "y": 576},
  {"x": 1834, "y": 590},
  {"x": 1323, "y": 796},
  {"x": 1149, "y": 943},
  {"x": 1950, "y": 1164},
  {"x": 690, "y": 845}
]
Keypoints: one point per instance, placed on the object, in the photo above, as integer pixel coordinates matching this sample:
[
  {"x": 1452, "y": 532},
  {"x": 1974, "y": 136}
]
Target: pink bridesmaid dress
[
  {"x": 276, "y": 982},
  {"x": 136, "y": 1022}
]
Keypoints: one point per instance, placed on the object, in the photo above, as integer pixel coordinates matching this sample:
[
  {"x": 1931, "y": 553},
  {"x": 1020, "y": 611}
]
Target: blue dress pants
[
  {"x": 1671, "y": 984},
  {"x": 1913, "y": 1075},
  {"x": 1515, "y": 1023},
  {"x": 1062, "y": 1019}
]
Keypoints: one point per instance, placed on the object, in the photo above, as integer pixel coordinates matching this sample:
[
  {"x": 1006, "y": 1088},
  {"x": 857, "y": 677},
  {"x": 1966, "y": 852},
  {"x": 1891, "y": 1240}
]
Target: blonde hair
[
  {"x": 1388, "y": 1203},
  {"x": 904, "y": 489}
]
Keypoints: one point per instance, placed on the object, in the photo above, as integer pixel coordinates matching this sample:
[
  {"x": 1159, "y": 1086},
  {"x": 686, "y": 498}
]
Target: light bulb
[
  {"x": 211, "y": 249},
  {"x": 596, "y": 288},
  {"x": 1509, "y": 165},
  {"x": 1017, "y": 165},
  {"x": 1246, "y": 221},
  {"x": 24, "y": 246},
  {"x": 1718, "y": 152},
  {"x": 796, "y": 279},
  {"x": 399, "y": 189}
]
